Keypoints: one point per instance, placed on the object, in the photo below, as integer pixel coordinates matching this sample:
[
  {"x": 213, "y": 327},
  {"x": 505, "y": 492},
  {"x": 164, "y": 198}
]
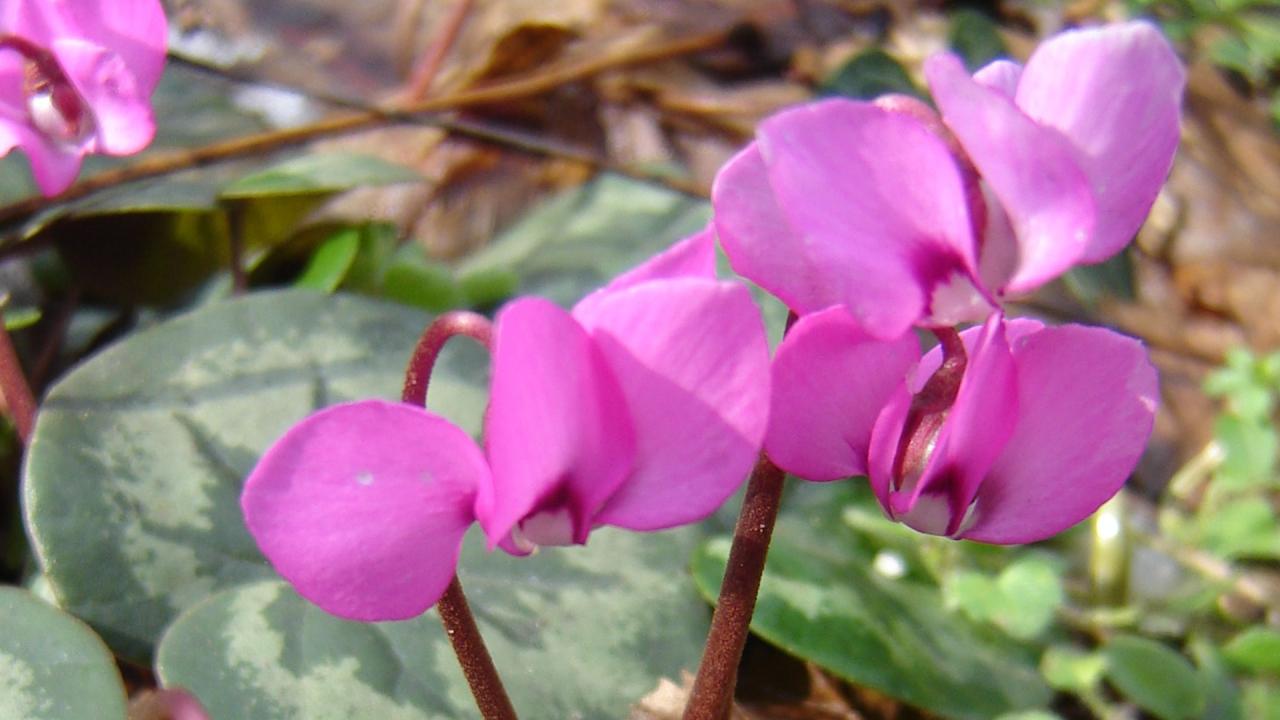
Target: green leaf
[
  {"x": 326, "y": 173},
  {"x": 1257, "y": 650},
  {"x": 579, "y": 632},
  {"x": 17, "y": 318},
  {"x": 820, "y": 600},
  {"x": 133, "y": 475},
  {"x": 331, "y": 261},
  {"x": 1072, "y": 670},
  {"x": 1030, "y": 715},
  {"x": 1031, "y": 593},
  {"x": 1110, "y": 278},
  {"x": 868, "y": 75},
  {"x": 976, "y": 38},
  {"x": 1244, "y": 528},
  {"x": 421, "y": 284},
  {"x": 52, "y": 666},
  {"x": 582, "y": 238},
  {"x": 1262, "y": 701},
  {"x": 1222, "y": 697},
  {"x": 1250, "y": 451},
  {"x": 1154, "y": 676}
]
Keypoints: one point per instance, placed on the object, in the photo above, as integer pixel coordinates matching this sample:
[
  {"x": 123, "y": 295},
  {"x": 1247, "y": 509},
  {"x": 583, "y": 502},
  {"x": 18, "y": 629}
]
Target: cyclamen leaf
[{"x": 52, "y": 666}]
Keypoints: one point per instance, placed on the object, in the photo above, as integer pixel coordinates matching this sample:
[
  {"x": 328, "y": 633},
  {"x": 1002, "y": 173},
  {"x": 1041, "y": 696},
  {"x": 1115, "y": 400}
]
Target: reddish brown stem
[
  {"x": 477, "y": 666},
  {"x": 14, "y": 387},
  {"x": 712, "y": 695},
  {"x": 429, "y": 66}
]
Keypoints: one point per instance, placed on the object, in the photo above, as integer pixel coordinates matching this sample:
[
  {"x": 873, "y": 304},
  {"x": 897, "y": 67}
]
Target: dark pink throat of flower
[
  {"x": 52, "y": 101},
  {"x": 929, "y": 118},
  {"x": 929, "y": 409}
]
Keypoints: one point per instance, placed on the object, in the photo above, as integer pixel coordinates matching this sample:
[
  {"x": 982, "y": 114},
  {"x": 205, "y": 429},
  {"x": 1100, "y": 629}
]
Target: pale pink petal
[
  {"x": 1115, "y": 93},
  {"x": 1032, "y": 169},
  {"x": 362, "y": 507},
  {"x": 884, "y": 228},
  {"x": 1087, "y": 402},
  {"x": 976, "y": 429},
  {"x": 1001, "y": 76},
  {"x": 760, "y": 242},
  {"x": 54, "y": 165},
  {"x": 692, "y": 359},
  {"x": 830, "y": 382},
  {"x": 136, "y": 30},
  {"x": 694, "y": 256},
  {"x": 122, "y": 115},
  {"x": 557, "y": 429}
]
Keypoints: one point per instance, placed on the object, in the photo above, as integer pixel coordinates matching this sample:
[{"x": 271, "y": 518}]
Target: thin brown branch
[
  {"x": 429, "y": 66},
  {"x": 260, "y": 143}
]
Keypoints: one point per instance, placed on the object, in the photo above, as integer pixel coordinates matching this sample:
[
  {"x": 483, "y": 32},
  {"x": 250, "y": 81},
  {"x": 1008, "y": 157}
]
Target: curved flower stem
[
  {"x": 712, "y": 693},
  {"x": 486, "y": 686},
  {"x": 14, "y": 387}
]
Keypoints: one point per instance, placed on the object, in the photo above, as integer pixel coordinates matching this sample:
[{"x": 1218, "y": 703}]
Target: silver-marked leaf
[
  {"x": 821, "y": 600},
  {"x": 580, "y": 632},
  {"x": 52, "y": 666},
  {"x": 133, "y": 477},
  {"x": 581, "y": 238}
]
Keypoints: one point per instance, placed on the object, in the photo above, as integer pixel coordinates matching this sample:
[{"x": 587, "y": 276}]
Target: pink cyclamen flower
[
  {"x": 643, "y": 408},
  {"x": 1021, "y": 432},
  {"x": 906, "y": 217},
  {"x": 76, "y": 77}
]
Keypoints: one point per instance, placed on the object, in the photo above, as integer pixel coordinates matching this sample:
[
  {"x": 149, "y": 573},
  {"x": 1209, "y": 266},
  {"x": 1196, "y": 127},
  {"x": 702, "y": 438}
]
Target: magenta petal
[
  {"x": 1087, "y": 402},
  {"x": 1115, "y": 93},
  {"x": 760, "y": 242},
  {"x": 1031, "y": 168},
  {"x": 122, "y": 116},
  {"x": 884, "y": 228},
  {"x": 830, "y": 382},
  {"x": 694, "y": 256},
  {"x": 54, "y": 165},
  {"x": 692, "y": 359},
  {"x": 1001, "y": 76},
  {"x": 136, "y": 30},
  {"x": 363, "y": 506},
  {"x": 557, "y": 430}
]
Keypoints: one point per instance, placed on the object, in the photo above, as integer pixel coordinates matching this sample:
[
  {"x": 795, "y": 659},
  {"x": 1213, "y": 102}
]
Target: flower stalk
[
  {"x": 455, "y": 614},
  {"x": 14, "y": 387},
  {"x": 712, "y": 694}
]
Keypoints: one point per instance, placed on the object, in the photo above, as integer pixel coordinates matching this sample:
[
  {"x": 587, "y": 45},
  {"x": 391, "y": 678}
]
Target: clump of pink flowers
[
  {"x": 643, "y": 407},
  {"x": 76, "y": 78},
  {"x": 646, "y": 404}
]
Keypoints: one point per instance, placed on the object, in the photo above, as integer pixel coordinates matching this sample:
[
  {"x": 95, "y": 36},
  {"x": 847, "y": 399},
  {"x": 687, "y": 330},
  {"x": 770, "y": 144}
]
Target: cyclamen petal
[
  {"x": 1115, "y": 92},
  {"x": 1047, "y": 424},
  {"x": 96, "y": 64},
  {"x": 692, "y": 360},
  {"x": 864, "y": 205},
  {"x": 557, "y": 431},
  {"x": 363, "y": 507},
  {"x": 830, "y": 381}
]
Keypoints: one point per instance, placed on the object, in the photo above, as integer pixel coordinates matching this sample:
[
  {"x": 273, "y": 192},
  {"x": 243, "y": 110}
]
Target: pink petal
[
  {"x": 1032, "y": 170},
  {"x": 124, "y": 123},
  {"x": 692, "y": 359},
  {"x": 879, "y": 202},
  {"x": 1115, "y": 92},
  {"x": 830, "y": 382},
  {"x": 1087, "y": 402},
  {"x": 1001, "y": 76},
  {"x": 362, "y": 507},
  {"x": 694, "y": 256},
  {"x": 976, "y": 428},
  {"x": 760, "y": 242},
  {"x": 136, "y": 30},
  {"x": 557, "y": 429},
  {"x": 54, "y": 165}
]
